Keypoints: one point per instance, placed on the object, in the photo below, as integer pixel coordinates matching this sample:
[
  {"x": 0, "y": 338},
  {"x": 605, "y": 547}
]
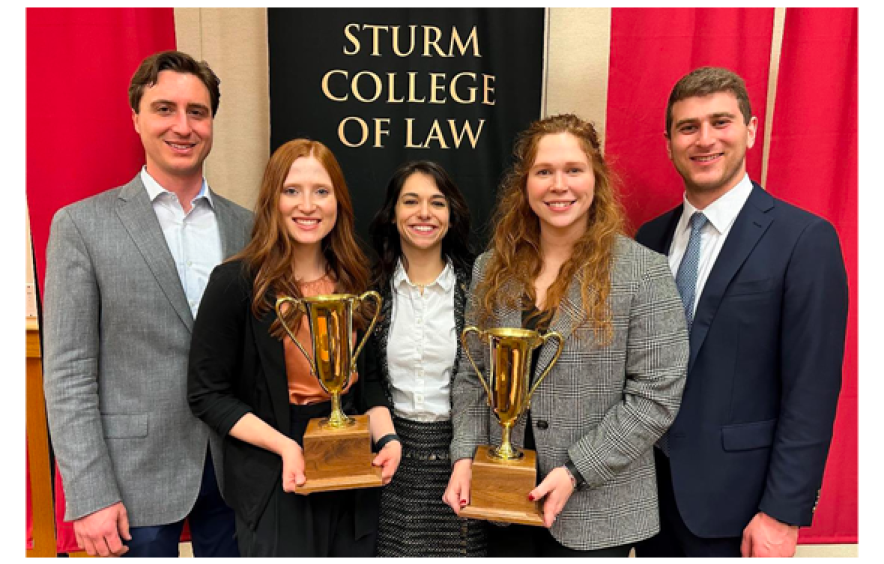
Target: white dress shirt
[
  {"x": 193, "y": 238},
  {"x": 721, "y": 215},
  {"x": 422, "y": 346}
]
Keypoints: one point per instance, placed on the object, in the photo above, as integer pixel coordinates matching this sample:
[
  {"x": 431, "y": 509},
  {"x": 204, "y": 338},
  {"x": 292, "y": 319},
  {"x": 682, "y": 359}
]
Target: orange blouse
[{"x": 304, "y": 388}]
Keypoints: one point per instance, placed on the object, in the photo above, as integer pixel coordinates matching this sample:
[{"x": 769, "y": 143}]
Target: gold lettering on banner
[
  {"x": 379, "y": 130},
  {"x": 468, "y": 130},
  {"x": 437, "y": 34},
  {"x": 377, "y": 86},
  {"x": 369, "y": 87},
  {"x": 352, "y": 38},
  {"x": 471, "y": 38},
  {"x": 486, "y": 80},
  {"x": 434, "y": 87},
  {"x": 470, "y": 89},
  {"x": 391, "y": 89},
  {"x": 411, "y": 89},
  {"x": 409, "y": 135},
  {"x": 362, "y": 125},
  {"x": 432, "y": 35},
  {"x": 395, "y": 40},
  {"x": 375, "y": 43},
  {"x": 325, "y": 88},
  {"x": 435, "y": 134}
]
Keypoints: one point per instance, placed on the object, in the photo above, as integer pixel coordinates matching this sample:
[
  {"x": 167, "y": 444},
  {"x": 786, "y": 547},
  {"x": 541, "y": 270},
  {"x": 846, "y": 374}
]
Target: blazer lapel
[
  {"x": 136, "y": 213},
  {"x": 272, "y": 355},
  {"x": 231, "y": 233},
  {"x": 505, "y": 315},
  {"x": 665, "y": 242},
  {"x": 751, "y": 223},
  {"x": 569, "y": 315}
]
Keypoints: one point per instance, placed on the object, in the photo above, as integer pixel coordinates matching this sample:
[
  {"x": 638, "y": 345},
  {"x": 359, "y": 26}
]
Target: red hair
[{"x": 270, "y": 253}]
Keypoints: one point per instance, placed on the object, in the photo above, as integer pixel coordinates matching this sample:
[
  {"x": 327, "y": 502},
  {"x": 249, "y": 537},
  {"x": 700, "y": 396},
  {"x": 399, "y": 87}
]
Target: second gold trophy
[{"x": 504, "y": 475}]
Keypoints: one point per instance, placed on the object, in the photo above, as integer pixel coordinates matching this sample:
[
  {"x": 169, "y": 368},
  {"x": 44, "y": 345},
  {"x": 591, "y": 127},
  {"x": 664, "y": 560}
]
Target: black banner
[{"x": 383, "y": 86}]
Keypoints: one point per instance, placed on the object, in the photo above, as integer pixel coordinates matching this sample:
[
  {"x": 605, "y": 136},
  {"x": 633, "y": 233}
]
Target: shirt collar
[
  {"x": 445, "y": 280},
  {"x": 154, "y": 189},
  {"x": 722, "y": 212}
]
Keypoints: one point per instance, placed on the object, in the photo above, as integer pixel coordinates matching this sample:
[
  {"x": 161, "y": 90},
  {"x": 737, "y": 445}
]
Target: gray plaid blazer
[
  {"x": 117, "y": 333},
  {"x": 605, "y": 406}
]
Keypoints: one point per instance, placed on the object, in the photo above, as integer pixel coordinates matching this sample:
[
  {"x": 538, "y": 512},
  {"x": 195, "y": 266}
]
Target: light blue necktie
[
  {"x": 686, "y": 278},
  {"x": 686, "y": 282}
]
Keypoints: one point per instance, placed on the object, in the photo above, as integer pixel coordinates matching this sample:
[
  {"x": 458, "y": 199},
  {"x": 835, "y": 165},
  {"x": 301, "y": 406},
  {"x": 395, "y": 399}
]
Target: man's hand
[
  {"x": 388, "y": 459},
  {"x": 557, "y": 489},
  {"x": 765, "y": 536},
  {"x": 292, "y": 466},
  {"x": 99, "y": 533},
  {"x": 457, "y": 494}
]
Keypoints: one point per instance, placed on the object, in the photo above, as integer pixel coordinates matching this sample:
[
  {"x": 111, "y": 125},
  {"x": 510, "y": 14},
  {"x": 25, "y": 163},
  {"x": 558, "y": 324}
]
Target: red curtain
[
  {"x": 80, "y": 138},
  {"x": 650, "y": 50},
  {"x": 813, "y": 164}
]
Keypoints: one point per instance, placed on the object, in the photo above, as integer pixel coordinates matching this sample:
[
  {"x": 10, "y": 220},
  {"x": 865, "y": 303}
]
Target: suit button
[{"x": 542, "y": 425}]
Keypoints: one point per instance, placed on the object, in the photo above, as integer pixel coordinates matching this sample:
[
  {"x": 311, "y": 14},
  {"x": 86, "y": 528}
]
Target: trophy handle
[
  {"x": 466, "y": 348},
  {"x": 377, "y": 313},
  {"x": 297, "y": 303},
  {"x": 555, "y": 358}
]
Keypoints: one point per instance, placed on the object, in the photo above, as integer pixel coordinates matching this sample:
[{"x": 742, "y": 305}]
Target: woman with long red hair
[
  {"x": 251, "y": 384},
  {"x": 558, "y": 261}
]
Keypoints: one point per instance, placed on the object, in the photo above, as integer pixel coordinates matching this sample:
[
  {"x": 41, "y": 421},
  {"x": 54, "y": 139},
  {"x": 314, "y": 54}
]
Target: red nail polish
[
  {"x": 463, "y": 502},
  {"x": 530, "y": 497}
]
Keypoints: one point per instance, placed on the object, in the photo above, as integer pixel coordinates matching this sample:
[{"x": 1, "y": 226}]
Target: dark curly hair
[{"x": 385, "y": 235}]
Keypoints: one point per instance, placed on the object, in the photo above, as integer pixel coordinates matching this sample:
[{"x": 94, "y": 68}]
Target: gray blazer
[
  {"x": 602, "y": 407},
  {"x": 117, "y": 333}
]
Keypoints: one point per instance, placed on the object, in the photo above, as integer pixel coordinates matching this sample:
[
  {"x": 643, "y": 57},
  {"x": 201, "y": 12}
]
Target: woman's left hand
[
  {"x": 388, "y": 459},
  {"x": 557, "y": 489}
]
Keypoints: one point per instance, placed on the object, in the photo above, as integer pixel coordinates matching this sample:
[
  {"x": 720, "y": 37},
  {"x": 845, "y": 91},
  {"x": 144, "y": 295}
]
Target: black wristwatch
[
  {"x": 576, "y": 476},
  {"x": 382, "y": 442}
]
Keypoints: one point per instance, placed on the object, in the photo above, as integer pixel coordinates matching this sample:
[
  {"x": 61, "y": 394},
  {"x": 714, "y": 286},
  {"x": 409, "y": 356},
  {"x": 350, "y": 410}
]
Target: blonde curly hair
[{"x": 515, "y": 243}]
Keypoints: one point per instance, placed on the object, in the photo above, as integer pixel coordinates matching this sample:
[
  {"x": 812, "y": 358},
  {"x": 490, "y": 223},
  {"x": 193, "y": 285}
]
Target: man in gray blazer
[{"x": 125, "y": 274}]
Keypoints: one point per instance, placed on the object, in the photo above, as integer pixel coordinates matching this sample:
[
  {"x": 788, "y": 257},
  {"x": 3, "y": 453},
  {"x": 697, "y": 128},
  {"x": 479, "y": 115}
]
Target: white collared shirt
[
  {"x": 421, "y": 347},
  {"x": 721, "y": 215},
  {"x": 193, "y": 238}
]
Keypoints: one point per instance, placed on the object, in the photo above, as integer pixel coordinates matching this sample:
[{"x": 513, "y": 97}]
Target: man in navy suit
[{"x": 765, "y": 295}]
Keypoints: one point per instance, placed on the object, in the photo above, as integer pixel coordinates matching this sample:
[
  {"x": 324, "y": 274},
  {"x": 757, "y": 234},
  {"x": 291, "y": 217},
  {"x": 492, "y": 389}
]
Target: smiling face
[
  {"x": 561, "y": 185},
  {"x": 174, "y": 121},
  {"x": 422, "y": 214},
  {"x": 307, "y": 202},
  {"x": 708, "y": 143}
]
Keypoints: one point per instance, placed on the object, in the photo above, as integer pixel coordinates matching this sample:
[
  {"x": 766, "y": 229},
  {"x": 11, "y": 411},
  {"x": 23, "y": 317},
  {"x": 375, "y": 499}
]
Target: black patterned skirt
[{"x": 414, "y": 520}]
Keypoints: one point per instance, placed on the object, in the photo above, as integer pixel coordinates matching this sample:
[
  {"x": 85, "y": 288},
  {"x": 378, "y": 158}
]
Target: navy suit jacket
[{"x": 764, "y": 373}]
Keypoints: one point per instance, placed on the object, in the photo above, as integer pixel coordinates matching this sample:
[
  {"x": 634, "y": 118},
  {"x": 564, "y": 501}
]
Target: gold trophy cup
[
  {"x": 337, "y": 449},
  {"x": 503, "y": 476}
]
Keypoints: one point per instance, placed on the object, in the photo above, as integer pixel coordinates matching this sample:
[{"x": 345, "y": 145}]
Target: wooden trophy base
[
  {"x": 499, "y": 490},
  {"x": 338, "y": 459}
]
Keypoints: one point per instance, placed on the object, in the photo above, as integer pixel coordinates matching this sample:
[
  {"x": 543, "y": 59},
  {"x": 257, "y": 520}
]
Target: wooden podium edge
[
  {"x": 39, "y": 465},
  {"x": 372, "y": 480},
  {"x": 503, "y": 515}
]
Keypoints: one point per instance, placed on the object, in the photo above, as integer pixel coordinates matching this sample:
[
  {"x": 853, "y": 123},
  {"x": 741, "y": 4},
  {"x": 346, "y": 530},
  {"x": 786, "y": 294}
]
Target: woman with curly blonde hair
[{"x": 558, "y": 261}]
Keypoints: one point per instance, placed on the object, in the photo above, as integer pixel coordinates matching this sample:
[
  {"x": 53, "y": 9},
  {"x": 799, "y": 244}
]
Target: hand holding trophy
[
  {"x": 503, "y": 476},
  {"x": 337, "y": 449}
]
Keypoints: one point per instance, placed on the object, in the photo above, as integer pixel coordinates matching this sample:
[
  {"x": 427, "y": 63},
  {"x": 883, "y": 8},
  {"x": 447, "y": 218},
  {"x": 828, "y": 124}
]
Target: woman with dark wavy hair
[
  {"x": 558, "y": 261},
  {"x": 249, "y": 382},
  {"x": 421, "y": 234}
]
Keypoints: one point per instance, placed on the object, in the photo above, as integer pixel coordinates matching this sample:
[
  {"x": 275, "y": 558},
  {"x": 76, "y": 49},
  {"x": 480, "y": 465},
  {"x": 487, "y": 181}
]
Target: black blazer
[
  {"x": 764, "y": 374},
  {"x": 235, "y": 368}
]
